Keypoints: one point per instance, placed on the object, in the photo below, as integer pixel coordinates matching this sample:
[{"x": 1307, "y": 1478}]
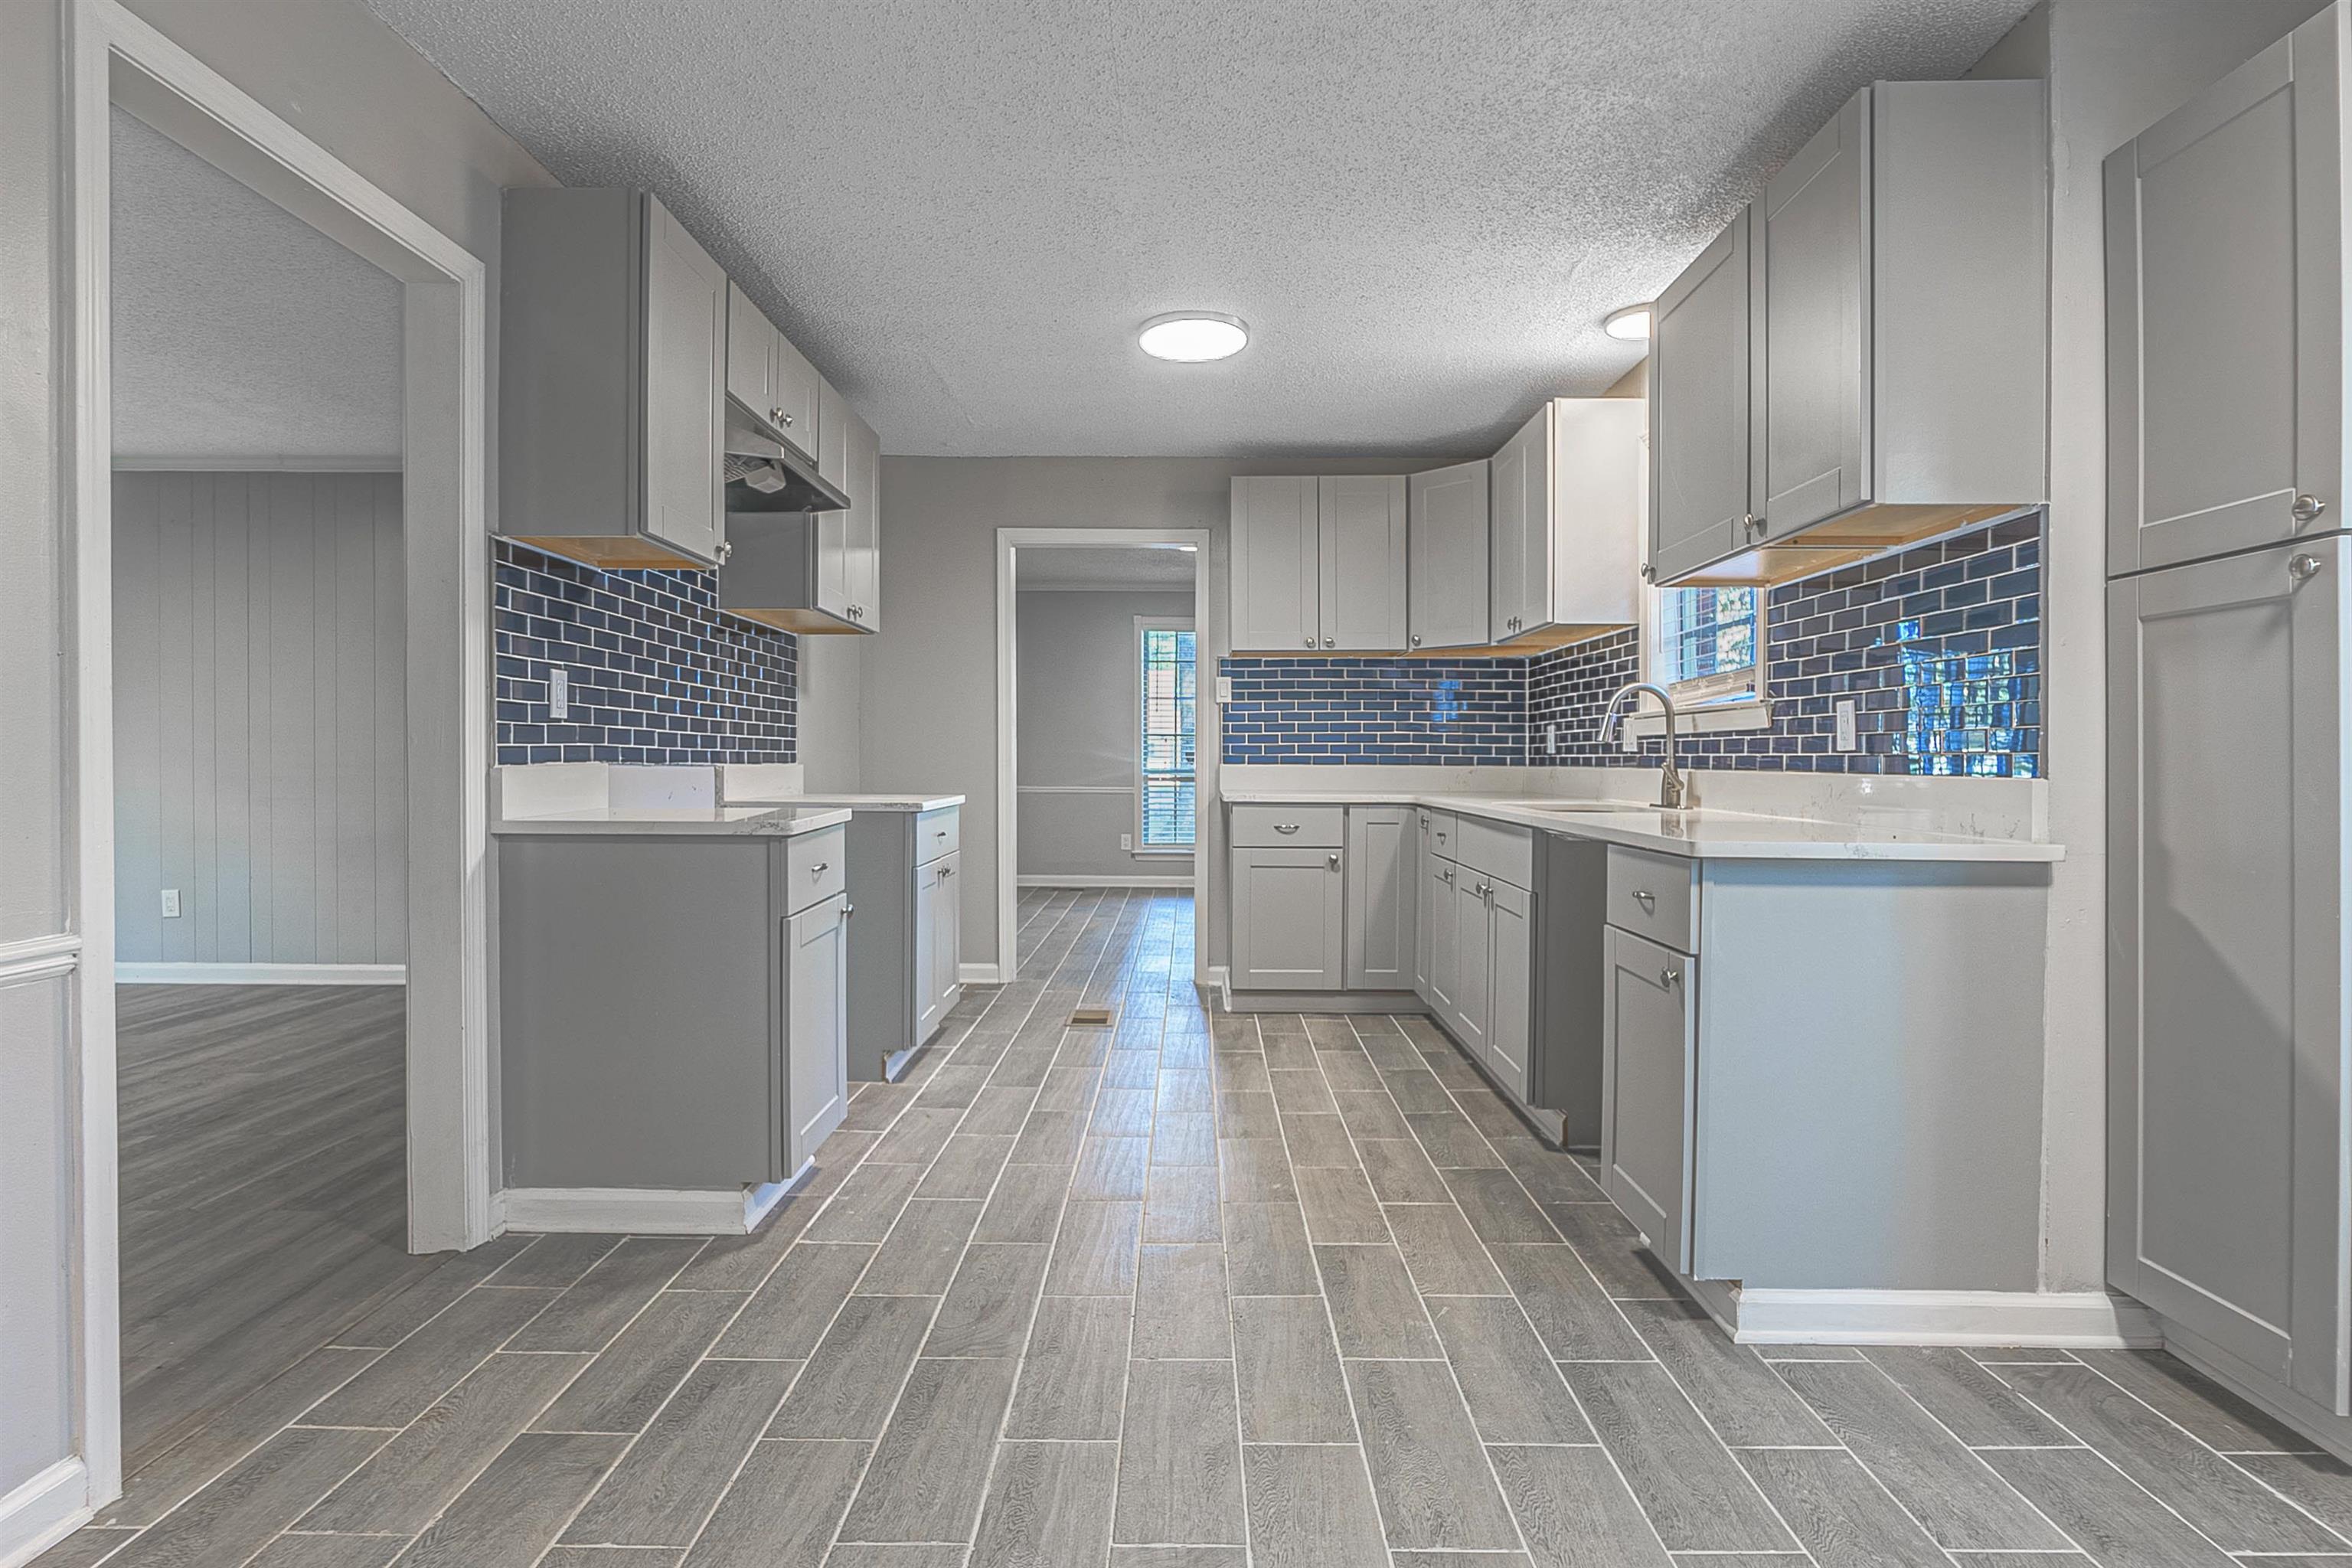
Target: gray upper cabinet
[
  {"x": 1517, "y": 502},
  {"x": 2224, "y": 313},
  {"x": 2225, "y": 921},
  {"x": 1446, "y": 549},
  {"x": 612, "y": 356},
  {"x": 1650, "y": 1034},
  {"x": 1288, "y": 920},
  {"x": 1566, "y": 534},
  {"x": 1361, "y": 550},
  {"x": 1383, "y": 868},
  {"x": 768, "y": 377},
  {"x": 815, "y": 571},
  {"x": 862, "y": 524},
  {"x": 1276, "y": 563},
  {"x": 1859, "y": 360}
]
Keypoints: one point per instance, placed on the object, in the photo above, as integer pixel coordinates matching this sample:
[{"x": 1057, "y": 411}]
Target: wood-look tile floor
[{"x": 1191, "y": 1292}]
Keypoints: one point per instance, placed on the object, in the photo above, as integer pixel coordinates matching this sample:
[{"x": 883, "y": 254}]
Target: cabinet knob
[
  {"x": 2306, "y": 507},
  {"x": 1334, "y": 859},
  {"x": 725, "y": 549},
  {"x": 1416, "y": 639},
  {"x": 1752, "y": 525},
  {"x": 1326, "y": 642},
  {"x": 1311, "y": 642},
  {"x": 847, "y": 911},
  {"x": 2304, "y": 568},
  {"x": 945, "y": 872},
  {"x": 1649, "y": 572},
  {"x": 1670, "y": 978},
  {"x": 788, "y": 419}
]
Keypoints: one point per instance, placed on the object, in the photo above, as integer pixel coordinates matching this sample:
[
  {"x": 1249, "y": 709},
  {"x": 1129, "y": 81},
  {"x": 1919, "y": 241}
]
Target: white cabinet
[
  {"x": 1859, "y": 360},
  {"x": 769, "y": 377},
  {"x": 1319, "y": 563},
  {"x": 1382, "y": 935},
  {"x": 817, "y": 1037},
  {"x": 1288, "y": 920},
  {"x": 1446, "y": 523},
  {"x": 1565, "y": 535},
  {"x": 1650, "y": 1033},
  {"x": 2225, "y": 325}
]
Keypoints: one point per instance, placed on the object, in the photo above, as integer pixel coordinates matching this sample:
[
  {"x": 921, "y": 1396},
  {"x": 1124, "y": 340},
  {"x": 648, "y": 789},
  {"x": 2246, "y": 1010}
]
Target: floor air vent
[{"x": 1090, "y": 1018}]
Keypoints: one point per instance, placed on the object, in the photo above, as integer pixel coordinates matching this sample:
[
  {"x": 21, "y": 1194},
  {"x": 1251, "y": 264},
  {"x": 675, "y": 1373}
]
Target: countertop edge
[{"x": 765, "y": 826}]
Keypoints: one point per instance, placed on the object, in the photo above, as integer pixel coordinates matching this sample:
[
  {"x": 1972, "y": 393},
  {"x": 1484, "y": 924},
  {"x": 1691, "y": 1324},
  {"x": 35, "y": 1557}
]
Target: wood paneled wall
[{"x": 260, "y": 763}]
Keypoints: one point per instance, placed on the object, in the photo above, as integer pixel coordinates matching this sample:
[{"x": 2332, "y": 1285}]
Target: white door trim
[
  {"x": 117, "y": 58},
  {"x": 1207, "y": 742}
]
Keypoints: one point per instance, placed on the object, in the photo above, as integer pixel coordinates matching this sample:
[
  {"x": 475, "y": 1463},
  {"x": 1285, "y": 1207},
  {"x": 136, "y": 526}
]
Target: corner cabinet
[
  {"x": 613, "y": 338},
  {"x": 1859, "y": 360},
  {"x": 1565, "y": 536},
  {"x": 1319, "y": 563}
]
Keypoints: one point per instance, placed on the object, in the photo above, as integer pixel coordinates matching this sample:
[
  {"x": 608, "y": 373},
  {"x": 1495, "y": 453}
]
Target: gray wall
[
  {"x": 351, "y": 84},
  {"x": 1077, "y": 702},
  {"x": 259, "y": 755},
  {"x": 831, "y": 725},
  {"x": 931, "y": 677}
]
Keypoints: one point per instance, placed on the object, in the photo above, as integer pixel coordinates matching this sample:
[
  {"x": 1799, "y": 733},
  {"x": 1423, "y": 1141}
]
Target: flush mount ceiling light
[
  {"x": 1192, "y": 336},
  {"x": 1630, "y": 324}
]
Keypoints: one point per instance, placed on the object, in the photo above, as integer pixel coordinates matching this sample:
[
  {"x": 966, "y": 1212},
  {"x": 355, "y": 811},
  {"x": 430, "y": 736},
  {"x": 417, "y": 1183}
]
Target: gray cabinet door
[
  {"x": 816, "y": 1049},
  {"x": 686, "y": 388},
  {"x": 947, "y": 938},
  {"x": 1382, "y": 889},
  {"x": 1649, "y": 1068},
  {"x": 833, "y": 548},
  {"x": 2224, "y": 313},
  {"x": 799, "y": 413},
  {"x": 1288, "y": 915},
  {"x": 1423, "y": 927},
  {"x": 1437, "y": 918},
  {"x": 1813, "y": 348},
  {"x": 1474, "y": 975},
  {"x": 863, "y": 542},
  {"x": 1276, "y": 569},
  {"x": 1699, "y": 398},
  {"x": 1361, "y": 553},
  {"x": 1511, "y": 993},
  {"x": 1518, "y": 499},
  {"x": 931, "y": 891},
  {"x": 1446, "y": 556},
  {"x": 750, "y": 354},
  {"x": 2226, "y": 1022}
]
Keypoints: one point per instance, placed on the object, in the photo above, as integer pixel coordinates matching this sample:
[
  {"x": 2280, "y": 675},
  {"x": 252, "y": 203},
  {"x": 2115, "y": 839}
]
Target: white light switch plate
[
  {"x": 559, "y": 694},
  {"x": 1845, "y": 739},
  {"x": 171, "y": 903},
  {"x": 1225, "y": 688}
]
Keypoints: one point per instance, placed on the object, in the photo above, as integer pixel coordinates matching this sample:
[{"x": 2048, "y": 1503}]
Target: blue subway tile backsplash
[
  {"x": 1939, "y": 648},
  {"x": 657, "y": 674}
]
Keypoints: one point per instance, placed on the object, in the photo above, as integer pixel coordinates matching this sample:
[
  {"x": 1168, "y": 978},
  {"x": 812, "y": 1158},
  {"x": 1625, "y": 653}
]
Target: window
[
  {"x": 1164, "y": 743},
  {"x": 1704, "y": 643}
]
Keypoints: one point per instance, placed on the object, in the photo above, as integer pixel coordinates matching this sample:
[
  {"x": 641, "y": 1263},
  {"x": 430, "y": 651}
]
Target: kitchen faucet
[{"x": 1670, "y": 781}]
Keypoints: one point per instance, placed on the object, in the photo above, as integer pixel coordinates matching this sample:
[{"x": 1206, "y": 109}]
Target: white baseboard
[
  {"x": 261, "y": 974},
  {"x": 1221, "y": 981},
  {"x": 1113, "y": 882},
  {"x": 2072, "y": 1319},
  {"x": 45, "y": 1508},
  {"x": 979, "y": 974},
  {"x": 643, "y": 1211}
]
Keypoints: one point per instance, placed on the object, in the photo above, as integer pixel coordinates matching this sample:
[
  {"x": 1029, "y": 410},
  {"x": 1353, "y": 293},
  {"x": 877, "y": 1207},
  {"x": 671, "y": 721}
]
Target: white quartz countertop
[
  {"x": 706, "y": 821},
  {"x": 1700, "y": 833},
  {"x": 857, "y": 802}
]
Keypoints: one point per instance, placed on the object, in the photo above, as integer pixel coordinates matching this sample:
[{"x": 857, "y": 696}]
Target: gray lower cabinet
[
  {"x": 1477, "y": 975},
  {"x": 938, "y": 926},
  {"x": 1289, "y": 920},
  {"x": 2225, "y": 331},
  {"x": 1510, "y": 991},
  {"x": 1473, "y": 981},
  {"x": 1650, "y": 1027},
  {"x": 613, "y": 385},
  {"x": 669, "y": 1008},
  {"x": 1382, "y": 935},
  {"x": 905, "y": 945},
  {"x": 1445, "y": 969},
  {"x": 2226, "y": 1014}
]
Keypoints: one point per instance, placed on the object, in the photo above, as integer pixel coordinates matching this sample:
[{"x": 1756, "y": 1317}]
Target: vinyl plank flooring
[
  {"x": 1417, "y": 1091},
  {"x": 854, "y": 1374},
  {"x": 1961, "y": 1504},
  {"x": 2321, "y": 1484},
  {"x": 2191, "y": 1400},
  {"x": 1093, "y": 1251},
  {"x": 967, "y": 1167},
  {"x": 1957, "y": 1390},
  {"x": 1074, "y": 1378},
  {"x": 1185, "y": 1138},
  {"x": 920, "y": 1255},
  {"x": 330, "y": 1552},
  {"x": 513, "y": 1510},
  {"x": 413, "y": 1478},
  {"x": 1111, "y": 1169},
  {"x": 867, "y": 1205},
  {"x": 783, "y": 1508},
  {"x": 1247, "y": 1113},
  {"x": 628, "y": 1382},
  {"x": 1180, "y": 1480},
  {"x": 1026, "y": 1205},
  {"x": 1180, "y": 1303},
  {"x": 744, "y": 1262},
  {"x": 2220, "y": 1500},
  {"x": 1256, "y": 1170},
  {"x": 1182, "y": 1205},
  {"x": 556, "y": 1261},
  {"x": 1316, "y": 1139},
  {"x": 1740, "y": 1395},
  {"x": 915, "y": 1139},
  {"x": 1443, "y": 1253},
  {"x": 261, "y": 1494},
  {"x": 1311, "y": 1508},
  {"x": 1575, "y": 1511},
  {"x": 1695, "y": 1494},
  {"x": 1291, "y": 1388},
  {"x": 1374, "y": 1310},
  {"x": 1049, "y": 1506},
  {"x": 786, "y": 1318},
  {"x": 1453, "y": 1144},
  {"x": 1179, "y": 1557},
  {"x": 661, "y": 1493},
  {"x": 587, "y": 1316},
  {"x": 2096, "y": 1505},
  {"x": 1845, "y": 1519},
  {"x": 990, "y": 1302},
  {"x": 998, "y": 1108},
  {"x": 91, "y": 1545},
  {"x": 930, "y": 1472},
  {"x": 1339, "y": 1206},
  {"x": 1612, "y": 1249},
  {"x": 1429, "y": 1471},
  {"x": 1267, "y": 1251},
  {"x": 426, "y": 1297},
  {"x": 1401, "y": 1173},
  {"x": 1370, "y": 1113},
  {"x": 1574, "y": 1317},
  {"x": 406, "y": 1380},
  {"x": 1550, "y": 1175},
  {"x": 1515, "y": 1392}
]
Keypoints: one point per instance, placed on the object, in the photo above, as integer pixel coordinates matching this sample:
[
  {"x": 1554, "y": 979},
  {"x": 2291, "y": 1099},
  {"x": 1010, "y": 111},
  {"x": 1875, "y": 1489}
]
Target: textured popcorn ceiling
[
  {"x": 1106, "y": 567},
  {"x": 240, "y": 333},
  {"x": 963, "y": 209}
]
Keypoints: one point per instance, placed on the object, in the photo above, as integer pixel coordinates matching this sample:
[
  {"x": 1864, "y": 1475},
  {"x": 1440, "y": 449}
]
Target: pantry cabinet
[
  {"x": 613, "y": 337},
  {"x": 1565, "y": 535},
  {"x": 1859, "y": 360},
  {"x": 1446, "y": 523},
  {"x": 1318, "y": 562},
  {"x": 2225, "y": 324}
]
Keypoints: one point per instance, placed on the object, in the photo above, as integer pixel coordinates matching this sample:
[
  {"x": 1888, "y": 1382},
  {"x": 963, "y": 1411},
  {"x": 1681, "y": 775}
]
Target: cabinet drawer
[
  {"x": 1443, "y": 829},
  {"x": 1500, "y": 850},
  {"x": 1655, "y": 896},
  {"x": 1289, "y": 826},
  {"x": 937, "y": 833},
  {"x": 814, "y": 868}
]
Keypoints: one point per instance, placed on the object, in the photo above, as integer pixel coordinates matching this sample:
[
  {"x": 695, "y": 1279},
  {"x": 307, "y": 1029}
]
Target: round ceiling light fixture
[
  {"x": 1630, "y": 324},
  {"x": 1192, "y": 336}
]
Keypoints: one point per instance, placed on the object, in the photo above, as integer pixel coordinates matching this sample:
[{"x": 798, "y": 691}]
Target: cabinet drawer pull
[
  {"x": 1285, "y": 828},
  {"x": 1648, "y": 900},
  {"x": 945, "y": 872},
  {"x": 1670, "y": 978},
  {"x": 820, "y": 869}
]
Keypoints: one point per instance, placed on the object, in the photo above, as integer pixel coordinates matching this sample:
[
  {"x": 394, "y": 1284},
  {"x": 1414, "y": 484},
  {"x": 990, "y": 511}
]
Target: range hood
[{"x": 765, "y": 475}]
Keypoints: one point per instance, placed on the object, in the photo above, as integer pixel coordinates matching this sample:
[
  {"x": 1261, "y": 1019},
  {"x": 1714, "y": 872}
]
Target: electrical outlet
[
  {"x": 1127, "y": 841},
  {"x": 1845, "y": 739},
  {"x": 559, "y": 694},
  {"x": 171, "y": 903}
]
